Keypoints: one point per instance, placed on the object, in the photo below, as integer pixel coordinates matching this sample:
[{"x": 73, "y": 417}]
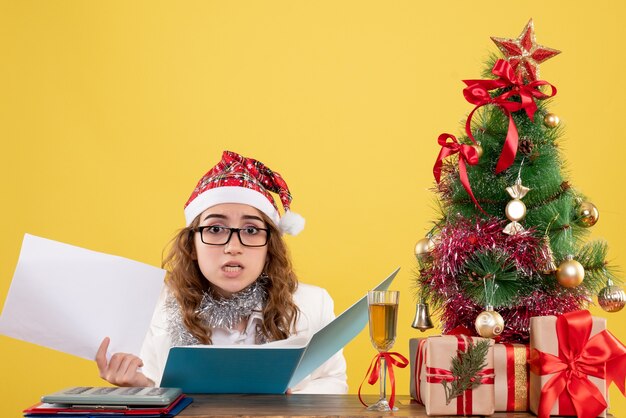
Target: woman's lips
[{"x": 232, "y": 270}]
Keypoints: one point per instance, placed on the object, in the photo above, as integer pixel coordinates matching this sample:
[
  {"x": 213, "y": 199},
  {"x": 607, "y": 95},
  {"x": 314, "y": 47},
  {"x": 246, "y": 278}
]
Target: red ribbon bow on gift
[
  {"x": 467, "y": 154},
  {"x": 602, "y": 356},
  {"x": 390, "y": 361},
  {"x": 477, "y": 92}
]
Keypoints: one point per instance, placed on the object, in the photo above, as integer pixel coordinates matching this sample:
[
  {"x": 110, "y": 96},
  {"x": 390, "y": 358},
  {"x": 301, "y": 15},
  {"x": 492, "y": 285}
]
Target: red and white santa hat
[{"x": 237, "y": 179}]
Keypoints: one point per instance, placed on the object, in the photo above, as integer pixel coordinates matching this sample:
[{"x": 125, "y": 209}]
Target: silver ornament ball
[{"x": 612, "y": 298}]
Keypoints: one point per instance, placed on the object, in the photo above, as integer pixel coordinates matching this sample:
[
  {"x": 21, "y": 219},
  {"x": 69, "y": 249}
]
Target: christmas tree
[{"x": 511, "y": 241}]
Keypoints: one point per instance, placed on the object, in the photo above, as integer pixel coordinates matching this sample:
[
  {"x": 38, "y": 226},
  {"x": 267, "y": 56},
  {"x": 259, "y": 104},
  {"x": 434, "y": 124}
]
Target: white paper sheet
[{"x": 68, "y": 298}]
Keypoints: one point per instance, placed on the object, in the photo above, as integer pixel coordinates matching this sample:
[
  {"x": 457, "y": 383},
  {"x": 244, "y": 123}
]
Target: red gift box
[
  {"x": 512, "y": 376},
  {"x": 431, "y": 358},
  {"x": 573, "y": 360}
]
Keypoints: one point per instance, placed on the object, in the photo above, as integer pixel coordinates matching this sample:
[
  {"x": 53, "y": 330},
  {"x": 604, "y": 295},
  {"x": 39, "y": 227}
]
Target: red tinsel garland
[
  {"x": 461, "y": 311},
  {"x": 457, "y": 243}
]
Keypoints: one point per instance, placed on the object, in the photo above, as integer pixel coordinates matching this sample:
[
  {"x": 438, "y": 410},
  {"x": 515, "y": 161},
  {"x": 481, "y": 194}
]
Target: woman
[{"x": 230, "y": 279}]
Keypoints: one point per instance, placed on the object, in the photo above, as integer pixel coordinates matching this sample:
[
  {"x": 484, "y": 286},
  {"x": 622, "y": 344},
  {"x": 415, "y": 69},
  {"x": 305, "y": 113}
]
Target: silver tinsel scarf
[{"x": 215, "y": 311}]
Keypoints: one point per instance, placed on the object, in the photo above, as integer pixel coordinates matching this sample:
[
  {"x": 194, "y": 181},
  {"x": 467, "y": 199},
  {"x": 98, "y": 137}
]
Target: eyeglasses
[{"x": 250, "y": 236}]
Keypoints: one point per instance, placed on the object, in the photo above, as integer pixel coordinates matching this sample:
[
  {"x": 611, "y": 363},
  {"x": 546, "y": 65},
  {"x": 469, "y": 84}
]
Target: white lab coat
[{"x": 316, "y": 310}]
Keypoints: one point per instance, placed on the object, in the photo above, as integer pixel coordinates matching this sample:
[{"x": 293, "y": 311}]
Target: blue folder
[{"x": 260, "y": 369}]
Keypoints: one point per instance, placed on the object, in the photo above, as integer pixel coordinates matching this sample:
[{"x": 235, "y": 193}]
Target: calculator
[{"x": 105, "y": 395}]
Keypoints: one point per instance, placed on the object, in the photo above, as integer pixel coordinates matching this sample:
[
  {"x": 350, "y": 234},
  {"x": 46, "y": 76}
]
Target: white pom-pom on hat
[{"x": 291, "y": 223}]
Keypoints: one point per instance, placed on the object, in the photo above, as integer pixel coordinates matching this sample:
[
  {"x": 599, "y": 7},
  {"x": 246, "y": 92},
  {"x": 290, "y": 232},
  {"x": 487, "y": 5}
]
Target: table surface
[{"x": 302, "y": 406}]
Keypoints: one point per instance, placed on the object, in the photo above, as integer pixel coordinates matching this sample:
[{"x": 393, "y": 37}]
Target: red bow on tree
[
  {"x": 602, "y": 356},
  {"x": 477, "y": 92},
  {"x": 467, "y": 154}
]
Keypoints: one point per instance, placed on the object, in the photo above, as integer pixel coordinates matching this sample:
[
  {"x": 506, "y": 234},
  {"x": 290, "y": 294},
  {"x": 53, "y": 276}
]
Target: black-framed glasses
[{"x": 250, "y": 236}]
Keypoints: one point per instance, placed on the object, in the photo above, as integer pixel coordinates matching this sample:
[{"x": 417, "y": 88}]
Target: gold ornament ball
[
  {"x": 424, "y": 246},
  {"x": 612, "y": 298},
  {"x": 489, "y": 324},
  {"x": 479, "y": 150},
  {"x": 588, "y": 214},
  {"x": 551, "y": 120},
  {"x": 515, "y": 210},
  {"x": 570, "y": 273}
]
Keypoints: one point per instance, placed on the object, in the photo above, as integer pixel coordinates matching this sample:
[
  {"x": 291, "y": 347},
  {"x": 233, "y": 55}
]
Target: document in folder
[{"x": 267, "y": 368}]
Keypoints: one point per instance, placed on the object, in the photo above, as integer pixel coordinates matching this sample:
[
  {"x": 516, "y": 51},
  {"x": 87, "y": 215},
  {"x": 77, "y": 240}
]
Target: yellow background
[{"x": 110, "y": 111}]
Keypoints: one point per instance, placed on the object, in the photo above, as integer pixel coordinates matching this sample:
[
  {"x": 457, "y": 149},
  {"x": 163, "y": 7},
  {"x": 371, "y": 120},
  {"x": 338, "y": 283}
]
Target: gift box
[
  {"x": 431, "y": 360},
  {"x": 413, "y": 347},
  {"x": 573, "y": 358},
  {"x": 511, "y": 376}
]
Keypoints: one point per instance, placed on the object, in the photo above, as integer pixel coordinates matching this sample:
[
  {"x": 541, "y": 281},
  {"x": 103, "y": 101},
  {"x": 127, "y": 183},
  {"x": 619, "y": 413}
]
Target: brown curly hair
[{"x": 187, "y": 283}]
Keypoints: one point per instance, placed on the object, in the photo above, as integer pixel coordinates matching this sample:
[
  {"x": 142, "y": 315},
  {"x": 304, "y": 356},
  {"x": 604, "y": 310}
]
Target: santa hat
[{"x": 237, "y": 179}]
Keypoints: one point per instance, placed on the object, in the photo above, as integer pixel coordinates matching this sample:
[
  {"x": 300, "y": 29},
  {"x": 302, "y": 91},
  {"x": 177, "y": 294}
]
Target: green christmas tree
[{"x": 512, "y": 235}]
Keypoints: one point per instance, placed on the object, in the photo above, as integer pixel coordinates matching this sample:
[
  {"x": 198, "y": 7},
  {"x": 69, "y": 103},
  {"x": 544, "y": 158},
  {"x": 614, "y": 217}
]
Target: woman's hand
[{"x": 122, "y": 369}]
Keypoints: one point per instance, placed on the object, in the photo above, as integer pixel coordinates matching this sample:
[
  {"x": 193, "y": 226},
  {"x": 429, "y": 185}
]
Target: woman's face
[{"x": 230, "y": 267}]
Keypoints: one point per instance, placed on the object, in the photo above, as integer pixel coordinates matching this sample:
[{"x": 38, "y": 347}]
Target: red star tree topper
[{"x": 524, "y": 53}]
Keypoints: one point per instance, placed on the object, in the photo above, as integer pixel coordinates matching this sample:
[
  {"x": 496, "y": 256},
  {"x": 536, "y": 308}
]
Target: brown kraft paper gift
[{"x": 433, "y": 359}]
